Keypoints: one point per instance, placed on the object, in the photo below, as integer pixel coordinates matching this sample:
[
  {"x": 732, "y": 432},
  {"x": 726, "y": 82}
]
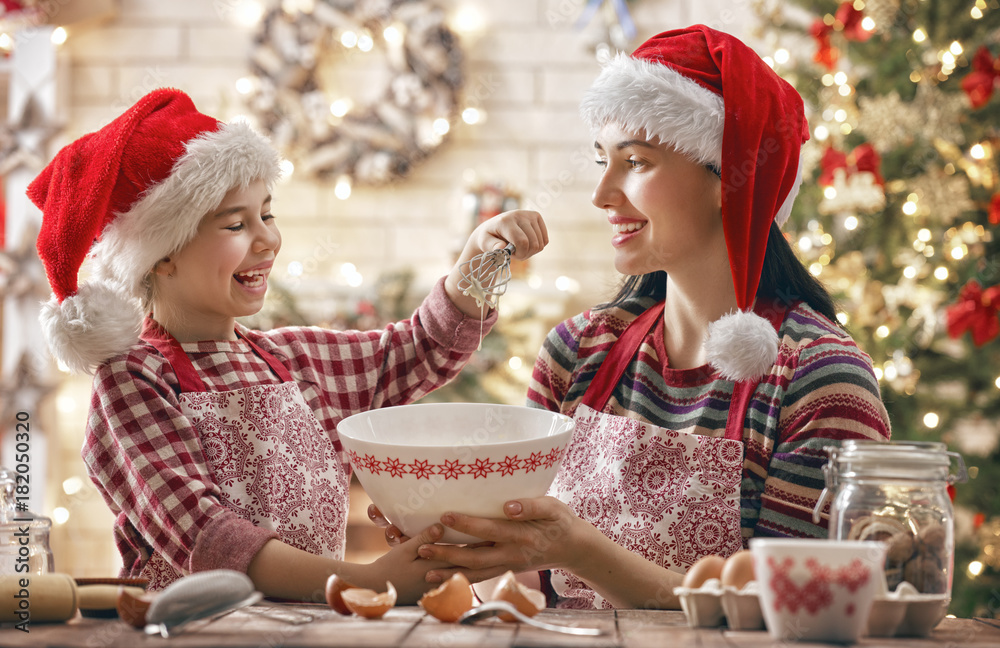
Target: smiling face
[
  {"x": 221, "y": 274},
  {"x": 664, "y": 209}
]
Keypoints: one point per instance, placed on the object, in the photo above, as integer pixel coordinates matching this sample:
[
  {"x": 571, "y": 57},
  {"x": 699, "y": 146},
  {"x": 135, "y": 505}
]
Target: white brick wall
[{"x": 527, "y": 68}]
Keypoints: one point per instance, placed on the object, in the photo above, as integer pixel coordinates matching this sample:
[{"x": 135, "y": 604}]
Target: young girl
[
  {"x": 684, "y": 449},
  {"x": 214, "y": 445}
]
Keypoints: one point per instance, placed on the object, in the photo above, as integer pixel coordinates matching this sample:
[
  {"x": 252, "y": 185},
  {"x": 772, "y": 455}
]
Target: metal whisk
[{"x": 485, "y": 276}]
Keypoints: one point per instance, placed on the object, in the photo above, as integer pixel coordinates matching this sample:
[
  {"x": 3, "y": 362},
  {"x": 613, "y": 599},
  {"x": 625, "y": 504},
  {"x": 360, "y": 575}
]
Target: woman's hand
[
  {"x": 393, "y": 536},
  {"x": 539, "y": 533},
  {"x": 522, "y": 227}
]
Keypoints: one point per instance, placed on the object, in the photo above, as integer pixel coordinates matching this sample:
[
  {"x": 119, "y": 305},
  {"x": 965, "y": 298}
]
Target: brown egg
[
  {"x": 738, "y": 570},
  {"x": 450, "y": 600},
  {"x": 335, "y": 586},
  {"x": 132, "y": 604},
  {"x": 369, "y": 603},
  {"x": 526, "y": 600},
  {"x": 706, "y": 568}
]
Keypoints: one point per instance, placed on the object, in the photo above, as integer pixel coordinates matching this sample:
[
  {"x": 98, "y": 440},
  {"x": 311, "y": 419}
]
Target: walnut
[
  {"x": 933, "y": 537},
  {"x": 900, "y": 547}
]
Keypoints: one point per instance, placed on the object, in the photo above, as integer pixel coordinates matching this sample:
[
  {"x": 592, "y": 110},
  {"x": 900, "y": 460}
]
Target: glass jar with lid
[
  {"x": 897, "y": 493},
  {"x": 24, "y": 536}
]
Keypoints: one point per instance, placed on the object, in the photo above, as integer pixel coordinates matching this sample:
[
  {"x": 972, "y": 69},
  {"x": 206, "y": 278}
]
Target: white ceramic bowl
[
  {"x": 817, "y": 590},
  {"x": 417, "y": 462}
]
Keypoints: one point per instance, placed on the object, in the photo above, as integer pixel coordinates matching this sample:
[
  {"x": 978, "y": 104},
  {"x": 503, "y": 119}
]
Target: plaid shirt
[{"x": 148, "y": 462}]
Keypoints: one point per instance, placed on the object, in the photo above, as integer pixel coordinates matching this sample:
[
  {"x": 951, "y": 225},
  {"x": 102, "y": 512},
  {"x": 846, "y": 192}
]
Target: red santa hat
[
  {"x": 128, "y": 195},
  {"x": 715, "y": 100}
]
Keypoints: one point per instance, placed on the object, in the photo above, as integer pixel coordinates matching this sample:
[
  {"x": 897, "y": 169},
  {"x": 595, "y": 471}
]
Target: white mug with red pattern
[{"x": 817, "y": 590}]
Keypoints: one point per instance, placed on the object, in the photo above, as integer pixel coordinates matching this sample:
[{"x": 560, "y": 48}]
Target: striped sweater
[{"x": 820, "y": 391}]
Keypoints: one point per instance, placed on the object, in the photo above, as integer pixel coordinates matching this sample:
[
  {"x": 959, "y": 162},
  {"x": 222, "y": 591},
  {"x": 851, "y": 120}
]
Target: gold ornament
[{"x": 887, "y": 121}]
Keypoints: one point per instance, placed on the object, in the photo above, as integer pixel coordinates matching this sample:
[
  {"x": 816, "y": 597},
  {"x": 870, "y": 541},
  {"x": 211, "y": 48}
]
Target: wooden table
[{"x": 410, "y": 627}]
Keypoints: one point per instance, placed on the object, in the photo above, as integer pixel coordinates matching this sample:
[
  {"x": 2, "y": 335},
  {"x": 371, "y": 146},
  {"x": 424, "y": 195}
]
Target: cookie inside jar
[{"x": 918, "y": 548}]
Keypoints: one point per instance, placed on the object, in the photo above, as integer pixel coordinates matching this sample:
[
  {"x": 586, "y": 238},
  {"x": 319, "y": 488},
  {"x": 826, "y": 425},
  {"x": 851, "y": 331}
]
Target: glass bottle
[
  {"x": 24, "y": 536},
  {"x": 897, "y": 492}
]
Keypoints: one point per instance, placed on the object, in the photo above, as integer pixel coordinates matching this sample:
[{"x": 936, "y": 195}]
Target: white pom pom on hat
[
  {"x": 715, "y": 100},
  {"x": 128, "y": 195}
]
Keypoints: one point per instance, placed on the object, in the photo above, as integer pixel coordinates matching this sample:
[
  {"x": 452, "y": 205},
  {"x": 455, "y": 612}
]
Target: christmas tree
[{"x": 900, "y": 220}]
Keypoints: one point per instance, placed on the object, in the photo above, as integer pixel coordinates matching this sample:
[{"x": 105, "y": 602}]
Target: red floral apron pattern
[
  {"x": 273, "y": 463},
  {"x": 669, "y": 497}
]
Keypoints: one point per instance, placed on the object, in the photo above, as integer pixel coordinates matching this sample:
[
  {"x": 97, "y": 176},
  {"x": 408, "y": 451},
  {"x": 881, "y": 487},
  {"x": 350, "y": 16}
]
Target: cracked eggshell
[
  {"x": 335, "y": 586},
  {"x": 526, "y": 600},
  {"x": 450, "y": 600},
  {"x": 369, "y": 603},
  {"x": 132, "y": 604}
]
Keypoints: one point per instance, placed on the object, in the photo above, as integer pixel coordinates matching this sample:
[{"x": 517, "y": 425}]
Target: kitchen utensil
[
  {"x": 204, "y": 595},
  {"x": 494, "y": 608},
  {"x": 485, "y": 276}
]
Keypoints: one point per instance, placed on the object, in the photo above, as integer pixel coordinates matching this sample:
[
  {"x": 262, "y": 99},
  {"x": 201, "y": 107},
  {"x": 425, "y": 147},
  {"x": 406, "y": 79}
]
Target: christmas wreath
[{"x": 315, "y": 125}]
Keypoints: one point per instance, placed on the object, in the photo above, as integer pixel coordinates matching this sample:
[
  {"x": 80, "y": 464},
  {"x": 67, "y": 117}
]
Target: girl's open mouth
[{"x": 252, "y": 278}]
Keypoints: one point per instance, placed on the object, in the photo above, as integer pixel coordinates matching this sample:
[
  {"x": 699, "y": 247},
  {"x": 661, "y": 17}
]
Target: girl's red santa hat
[
  {"x": 129, "y": 195},
  {"x": 715, "y": 100}
]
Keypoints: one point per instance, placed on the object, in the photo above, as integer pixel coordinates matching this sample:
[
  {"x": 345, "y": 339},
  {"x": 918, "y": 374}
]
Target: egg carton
[
  {"x": 905, "y": 612},
  {"x": 713, "y": 604}
]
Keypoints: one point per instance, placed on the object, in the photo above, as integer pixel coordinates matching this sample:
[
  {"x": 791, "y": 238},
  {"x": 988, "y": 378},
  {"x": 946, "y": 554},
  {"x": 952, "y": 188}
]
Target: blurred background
[{"x": 405, "y": 123}]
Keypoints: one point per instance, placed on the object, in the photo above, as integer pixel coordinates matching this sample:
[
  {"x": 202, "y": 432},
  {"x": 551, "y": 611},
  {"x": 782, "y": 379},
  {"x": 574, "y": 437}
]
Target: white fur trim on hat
[
  {"x": 653, "y": 98},
  {"x": 786, "y": 206},
  {"x": 96, "y": 323},
  {"x": 742, "y": 345},
  {"x": 104, "y": 317}
]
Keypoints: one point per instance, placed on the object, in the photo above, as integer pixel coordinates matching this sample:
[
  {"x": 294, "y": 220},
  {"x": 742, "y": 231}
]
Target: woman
[{"x": 706, "y": 391}]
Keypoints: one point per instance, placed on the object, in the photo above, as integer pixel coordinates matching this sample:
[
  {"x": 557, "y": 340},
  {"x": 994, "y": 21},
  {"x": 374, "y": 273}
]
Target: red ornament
[
  {"x": 975, "y": 311},
  {"x": 978, "y": 520},
  {"x": 994, "y": 214},
  {"x": 826, "y": 54},
  {"x": 863, "y": 159},
  {"x": 979, "y": 83},
  {"x": 851, "y": 19}
]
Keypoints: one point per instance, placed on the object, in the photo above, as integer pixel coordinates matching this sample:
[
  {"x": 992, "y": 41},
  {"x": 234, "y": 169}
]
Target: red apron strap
[
  {"x": 272, "y": 362},
  {"x": 622, "y": 351},
  {"x": 744, "y": 389},
  {"x": 187, "y": 375},
  {"x": 170, "y": 348}
]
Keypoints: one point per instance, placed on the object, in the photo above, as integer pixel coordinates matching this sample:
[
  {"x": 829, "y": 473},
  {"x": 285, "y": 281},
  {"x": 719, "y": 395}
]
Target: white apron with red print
[
  {"x": 670, "y": 497},
  {"x": 273, "y": 463}
]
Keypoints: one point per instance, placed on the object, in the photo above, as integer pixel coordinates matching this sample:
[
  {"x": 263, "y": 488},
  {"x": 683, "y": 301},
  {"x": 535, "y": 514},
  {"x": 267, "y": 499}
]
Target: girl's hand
[
  {"x": 522, "y": 227},
  {"x": 402, "y": 566},
  {"x": 539, "y": 533}
]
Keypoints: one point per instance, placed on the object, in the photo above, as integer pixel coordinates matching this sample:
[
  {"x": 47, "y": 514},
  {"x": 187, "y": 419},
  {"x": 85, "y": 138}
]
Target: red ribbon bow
[
  {"x": 864, "y": 158},
  {"x": 975, "y": 311},
  {"x": 826, "y": 54},
  {"x": 979, "y": 83},
  {"x": 851, "y": 19},
  {"x": 847, "y": 20}
]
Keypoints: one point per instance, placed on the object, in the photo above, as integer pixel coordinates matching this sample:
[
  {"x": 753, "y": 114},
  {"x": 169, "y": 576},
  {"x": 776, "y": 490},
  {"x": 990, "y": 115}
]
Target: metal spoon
[{"x": 493, "y": 608}]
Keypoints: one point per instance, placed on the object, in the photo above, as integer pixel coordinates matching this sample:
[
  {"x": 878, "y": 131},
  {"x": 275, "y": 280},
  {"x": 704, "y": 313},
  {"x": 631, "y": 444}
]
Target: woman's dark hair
[{"x": 783, "y": 277}]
